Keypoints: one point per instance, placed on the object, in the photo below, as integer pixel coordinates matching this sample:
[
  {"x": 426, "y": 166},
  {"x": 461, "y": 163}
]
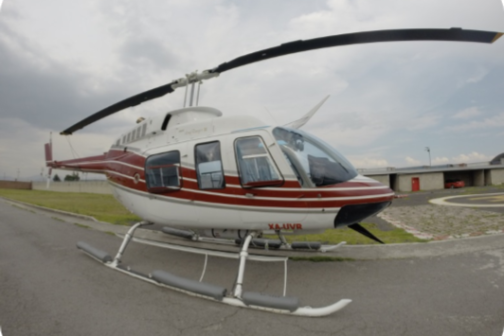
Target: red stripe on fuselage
[{"x": 122, "y": 166}]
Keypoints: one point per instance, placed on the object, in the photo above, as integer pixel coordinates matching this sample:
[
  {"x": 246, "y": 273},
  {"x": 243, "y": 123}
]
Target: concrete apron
[{"x": 355, "y": 252}]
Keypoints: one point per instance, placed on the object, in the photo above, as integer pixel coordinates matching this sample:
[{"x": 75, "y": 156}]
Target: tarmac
[{"x": 450, "y": 287}]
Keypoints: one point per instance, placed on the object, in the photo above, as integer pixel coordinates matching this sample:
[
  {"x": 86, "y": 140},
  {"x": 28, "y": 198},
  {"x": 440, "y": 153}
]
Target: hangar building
[{"x": 434, "y": 177}]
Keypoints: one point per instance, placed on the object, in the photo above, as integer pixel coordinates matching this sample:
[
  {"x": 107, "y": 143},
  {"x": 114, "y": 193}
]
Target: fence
[{"x": 15, "y": 185}]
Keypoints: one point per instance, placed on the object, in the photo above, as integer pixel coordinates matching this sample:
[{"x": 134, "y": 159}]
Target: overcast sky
[{"x": 61, "y": 61}]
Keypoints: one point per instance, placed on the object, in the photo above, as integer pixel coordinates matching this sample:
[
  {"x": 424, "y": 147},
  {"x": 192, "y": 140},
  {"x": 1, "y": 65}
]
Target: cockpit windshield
[{"x": 312, "y": 159}]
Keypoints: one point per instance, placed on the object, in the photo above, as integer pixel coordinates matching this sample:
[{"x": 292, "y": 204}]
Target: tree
[
  {"x": 73, "y": 177},
  {"x": 56, "y": 178}
]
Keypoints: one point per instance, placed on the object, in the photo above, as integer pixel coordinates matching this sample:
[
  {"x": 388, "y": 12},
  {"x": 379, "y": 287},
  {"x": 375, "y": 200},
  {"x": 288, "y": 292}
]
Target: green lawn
[
  {"x": 332, "y": 236},
  {"x": 105, "y": 208}
]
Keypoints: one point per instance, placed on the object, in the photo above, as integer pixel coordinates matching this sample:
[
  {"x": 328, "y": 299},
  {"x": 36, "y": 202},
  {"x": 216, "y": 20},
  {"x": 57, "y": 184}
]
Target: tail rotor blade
[{"x": 359, "y": 228}]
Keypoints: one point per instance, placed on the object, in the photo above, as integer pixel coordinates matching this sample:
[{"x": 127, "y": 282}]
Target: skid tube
[{"x": 275, "y": 304}]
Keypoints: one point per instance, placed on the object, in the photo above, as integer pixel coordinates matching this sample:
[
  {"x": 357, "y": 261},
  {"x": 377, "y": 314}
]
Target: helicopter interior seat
[
  {"x": 210, "y": 175},
  {"x": 255, "y": 169},
  {"x": 170, "y": 180},
  {"x": 324, "y": 171}
]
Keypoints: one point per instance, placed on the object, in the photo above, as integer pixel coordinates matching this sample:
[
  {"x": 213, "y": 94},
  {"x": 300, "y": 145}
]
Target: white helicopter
[{"x": 206, "y": 177}]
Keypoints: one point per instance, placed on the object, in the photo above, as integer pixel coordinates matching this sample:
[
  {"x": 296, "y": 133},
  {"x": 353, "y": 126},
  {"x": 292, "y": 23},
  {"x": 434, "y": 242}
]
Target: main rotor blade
[
  {"x": 129, "y": 102},
  {"x": 357, "y": 227},
  {"x": 453, "y": 34}
]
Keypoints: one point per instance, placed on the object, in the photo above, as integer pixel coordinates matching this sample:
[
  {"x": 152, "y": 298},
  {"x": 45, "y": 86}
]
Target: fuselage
[{"x": 194, "y": 168}]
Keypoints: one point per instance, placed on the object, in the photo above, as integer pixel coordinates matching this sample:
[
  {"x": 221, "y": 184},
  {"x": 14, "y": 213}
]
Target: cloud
[
  {"x": 411, "y": 161},
  {"x": 59, "y": 69},
  {"x": 462, "y": 158},
  {"x": 140, "y": 50},
  {"x": 423, "y": 122},
  {"x": 467, "y": 113},
  {"x": 487, "y": 123},
  {"x": 28, "y": 155},
  {"x": 478, "y": 75},
  {"x": 41, "y": 91},
  {"x": 368, "y": 162},
  {"x": 471, "y": 157}
]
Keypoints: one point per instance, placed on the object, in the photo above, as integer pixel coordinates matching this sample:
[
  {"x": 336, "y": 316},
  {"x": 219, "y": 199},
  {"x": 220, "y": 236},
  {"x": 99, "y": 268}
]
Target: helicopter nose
[{"x": 355, "y": 213}]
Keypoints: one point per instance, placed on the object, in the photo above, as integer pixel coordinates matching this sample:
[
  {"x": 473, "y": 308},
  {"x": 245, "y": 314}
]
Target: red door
[{"x": 415, "y": 184}]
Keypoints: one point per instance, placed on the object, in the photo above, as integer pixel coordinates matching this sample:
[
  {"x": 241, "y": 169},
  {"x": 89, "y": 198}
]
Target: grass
[
  {"x": 105, "y": 208},
  {"x": 332, "y": 236},
  {"x": 478, "y": 190},
  {"x": 102, "y": 207}
]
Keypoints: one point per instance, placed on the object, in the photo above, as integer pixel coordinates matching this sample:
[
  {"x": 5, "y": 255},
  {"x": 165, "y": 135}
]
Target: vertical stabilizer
[{"x": 48, "y": 154}]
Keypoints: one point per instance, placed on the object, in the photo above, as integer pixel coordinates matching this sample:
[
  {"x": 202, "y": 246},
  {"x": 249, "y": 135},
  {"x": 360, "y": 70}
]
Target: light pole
[{"x": 428, "y": 151}]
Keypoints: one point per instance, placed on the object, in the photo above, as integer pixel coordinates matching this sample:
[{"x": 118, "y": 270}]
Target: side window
[
  {"x": 162, "y": 172},
  {"x": 209, "y": 166},
  {"x": 255, "y": 165}
]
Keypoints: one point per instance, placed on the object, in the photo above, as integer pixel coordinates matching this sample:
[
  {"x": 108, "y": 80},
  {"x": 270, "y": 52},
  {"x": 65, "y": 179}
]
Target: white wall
[
  {"x": 497, "y": 176},
  {"x": 428, "y": 181},
  {"x": 94, "y": 187}
]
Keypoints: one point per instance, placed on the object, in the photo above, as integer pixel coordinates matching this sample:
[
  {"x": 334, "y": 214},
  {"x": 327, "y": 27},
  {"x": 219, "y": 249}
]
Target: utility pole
[{"x": 428, "y": 151}]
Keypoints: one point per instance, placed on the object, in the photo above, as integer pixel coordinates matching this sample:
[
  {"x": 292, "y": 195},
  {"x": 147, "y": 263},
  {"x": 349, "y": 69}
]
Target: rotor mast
[{"x": 191, "y": 79}]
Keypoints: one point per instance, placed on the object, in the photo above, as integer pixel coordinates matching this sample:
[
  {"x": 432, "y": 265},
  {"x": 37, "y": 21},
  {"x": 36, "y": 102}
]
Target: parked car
[{"x": 454, "y": 183}]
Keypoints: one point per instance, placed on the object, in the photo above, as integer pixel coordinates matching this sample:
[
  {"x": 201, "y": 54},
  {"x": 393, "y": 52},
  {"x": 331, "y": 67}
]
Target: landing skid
[
  {"x": 238, "y": 297},
  {"x": 267, "y": 244}
]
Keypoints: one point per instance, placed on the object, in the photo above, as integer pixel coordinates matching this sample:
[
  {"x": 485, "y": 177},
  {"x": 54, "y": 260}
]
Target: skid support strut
[
  {"x": 238, "y": 290},
  {"x": 125, "y": 242},
  {"x": 238, "y": 298}
]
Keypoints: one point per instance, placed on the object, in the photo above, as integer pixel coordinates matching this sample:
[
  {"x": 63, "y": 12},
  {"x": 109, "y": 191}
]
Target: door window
[
  {"x": 209, "y": 166},
  {"x": 255, "y": 165}
]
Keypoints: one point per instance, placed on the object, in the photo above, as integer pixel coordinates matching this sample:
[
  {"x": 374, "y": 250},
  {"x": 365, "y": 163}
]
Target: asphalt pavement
[{"x": 48, "y": 287}]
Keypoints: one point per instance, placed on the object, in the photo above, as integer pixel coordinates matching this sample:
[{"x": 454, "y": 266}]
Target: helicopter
[{"x": 229, "y": 180}]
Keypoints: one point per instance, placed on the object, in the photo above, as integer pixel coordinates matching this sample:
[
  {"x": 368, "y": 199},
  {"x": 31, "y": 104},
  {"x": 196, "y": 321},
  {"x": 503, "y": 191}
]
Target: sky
[{"x": 61, "y": 61}]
